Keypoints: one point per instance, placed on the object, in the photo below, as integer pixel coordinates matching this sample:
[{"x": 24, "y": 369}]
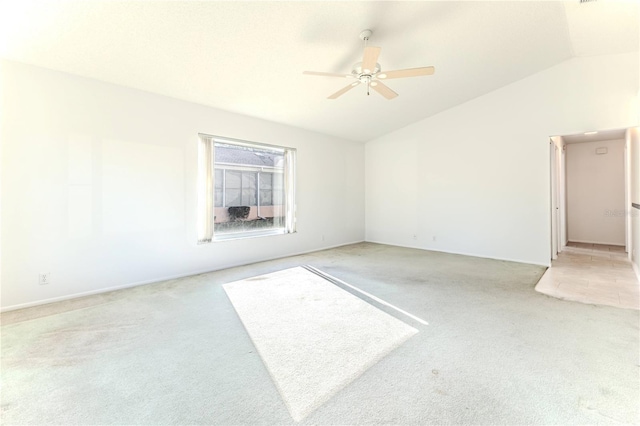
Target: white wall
[
  {"x": 99, "y": 187},
  {"x": 596, "y": 192},
  {"x": 633, "y": 140},
  {"x": 477, "y": 175}
]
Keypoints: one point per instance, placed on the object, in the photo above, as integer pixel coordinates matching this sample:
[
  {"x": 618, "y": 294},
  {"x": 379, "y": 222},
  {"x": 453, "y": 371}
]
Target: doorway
[
  {"x": 590, "y": 182},
  {"x": 589, "y": 189}
]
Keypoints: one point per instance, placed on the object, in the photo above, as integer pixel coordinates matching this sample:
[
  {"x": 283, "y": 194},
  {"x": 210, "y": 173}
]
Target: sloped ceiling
[{"x": 248, "y": 57}]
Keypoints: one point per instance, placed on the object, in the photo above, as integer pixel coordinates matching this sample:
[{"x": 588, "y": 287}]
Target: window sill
[{"x": 250, "y": 234}]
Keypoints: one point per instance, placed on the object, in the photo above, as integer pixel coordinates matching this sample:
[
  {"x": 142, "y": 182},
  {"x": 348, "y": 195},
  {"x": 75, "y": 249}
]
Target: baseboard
[
  {"x": 546, "y": 265},
  {"x": 597, "y": 242},
  {"x": 636, "y": 270},
  {"x": 160, "y": 279}
]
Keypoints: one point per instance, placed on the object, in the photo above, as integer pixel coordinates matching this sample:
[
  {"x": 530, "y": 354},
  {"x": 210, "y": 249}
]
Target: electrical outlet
[
  {"x": 415, "y": 236},
  {"x": 44, "y": 278},
  {"x": 433, "y": 238}
]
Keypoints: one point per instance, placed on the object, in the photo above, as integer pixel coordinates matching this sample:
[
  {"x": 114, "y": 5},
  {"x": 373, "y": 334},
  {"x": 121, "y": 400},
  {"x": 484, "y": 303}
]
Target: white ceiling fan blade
[
  {"x": 409, "y": 72},
  {"x": 327, "y": 74},
  {"x": 370, "y": 58},
  {"x": 344, "y": 90},
  {"x": 383, "y": 90}
]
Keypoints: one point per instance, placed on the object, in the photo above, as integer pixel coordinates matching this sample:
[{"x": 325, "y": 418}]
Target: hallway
[{"x": 593, "y": 274}]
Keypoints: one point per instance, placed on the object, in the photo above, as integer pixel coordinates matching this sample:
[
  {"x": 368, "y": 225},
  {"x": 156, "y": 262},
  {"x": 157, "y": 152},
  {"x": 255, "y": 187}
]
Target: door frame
[
  {"x": 557, "y": 193},
  {"x": 553, "y": 161},
  {"x": 558, "y": 188}
]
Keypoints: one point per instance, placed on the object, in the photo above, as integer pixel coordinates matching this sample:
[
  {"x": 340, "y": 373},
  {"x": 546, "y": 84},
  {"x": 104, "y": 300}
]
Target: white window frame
[{"x": 206, "y": 189}]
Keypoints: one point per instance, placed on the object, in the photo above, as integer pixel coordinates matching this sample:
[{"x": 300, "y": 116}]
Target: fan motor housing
[{"x": 358, "y": 72}]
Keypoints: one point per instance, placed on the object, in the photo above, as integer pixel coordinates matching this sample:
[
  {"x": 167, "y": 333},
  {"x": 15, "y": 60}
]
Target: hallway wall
[{"x": 595, "y": 192}]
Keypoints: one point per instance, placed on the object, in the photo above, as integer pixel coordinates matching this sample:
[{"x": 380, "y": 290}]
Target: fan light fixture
[{"x": 368, "y": 72}]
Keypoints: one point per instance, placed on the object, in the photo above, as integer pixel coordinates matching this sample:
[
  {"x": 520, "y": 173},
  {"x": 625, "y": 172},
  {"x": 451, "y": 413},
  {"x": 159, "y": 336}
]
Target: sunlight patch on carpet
[{"x": 313, "y": 337}]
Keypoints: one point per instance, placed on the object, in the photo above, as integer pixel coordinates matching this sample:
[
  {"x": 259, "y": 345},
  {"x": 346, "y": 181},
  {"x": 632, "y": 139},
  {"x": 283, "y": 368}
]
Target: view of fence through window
[{"x": 249, "y": 191}]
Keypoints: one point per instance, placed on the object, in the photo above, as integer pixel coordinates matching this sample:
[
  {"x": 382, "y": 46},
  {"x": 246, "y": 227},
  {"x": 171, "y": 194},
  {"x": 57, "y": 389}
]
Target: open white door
[
  {"x": 628, "y": 246},
  {"x": 553, "y": 162},
  {"x": 562, "y": 197}
]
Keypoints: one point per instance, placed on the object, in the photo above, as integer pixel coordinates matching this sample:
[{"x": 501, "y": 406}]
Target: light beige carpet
[{"x": 313, "y": 337}]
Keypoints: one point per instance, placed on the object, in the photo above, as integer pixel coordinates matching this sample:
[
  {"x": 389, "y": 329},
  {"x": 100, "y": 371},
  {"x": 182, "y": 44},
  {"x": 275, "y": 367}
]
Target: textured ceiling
[{"x": 248, "y": 57}]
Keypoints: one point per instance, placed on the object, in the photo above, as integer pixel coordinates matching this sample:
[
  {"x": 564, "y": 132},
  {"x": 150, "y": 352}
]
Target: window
[{"x": 245, "y": 189}]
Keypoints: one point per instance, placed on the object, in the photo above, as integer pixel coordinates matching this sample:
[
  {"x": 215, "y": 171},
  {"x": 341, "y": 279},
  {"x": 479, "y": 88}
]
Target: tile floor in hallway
[{"x": 597, "y": 274}]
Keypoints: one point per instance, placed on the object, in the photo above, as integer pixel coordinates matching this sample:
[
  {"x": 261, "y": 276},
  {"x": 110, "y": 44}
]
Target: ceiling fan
[{"x": 370, "y": 73}]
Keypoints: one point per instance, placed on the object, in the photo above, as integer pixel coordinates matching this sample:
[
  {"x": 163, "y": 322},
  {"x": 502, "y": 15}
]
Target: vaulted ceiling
[{"x": 248, "y": 57}]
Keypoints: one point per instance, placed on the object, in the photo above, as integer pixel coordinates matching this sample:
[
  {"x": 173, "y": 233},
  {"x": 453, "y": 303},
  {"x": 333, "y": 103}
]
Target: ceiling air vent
[{"x": 586, "y": 1}]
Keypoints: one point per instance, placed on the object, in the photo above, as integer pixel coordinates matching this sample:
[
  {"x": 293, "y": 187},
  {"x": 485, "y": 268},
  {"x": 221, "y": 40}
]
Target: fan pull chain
[{"x": 366, "y": 40}]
